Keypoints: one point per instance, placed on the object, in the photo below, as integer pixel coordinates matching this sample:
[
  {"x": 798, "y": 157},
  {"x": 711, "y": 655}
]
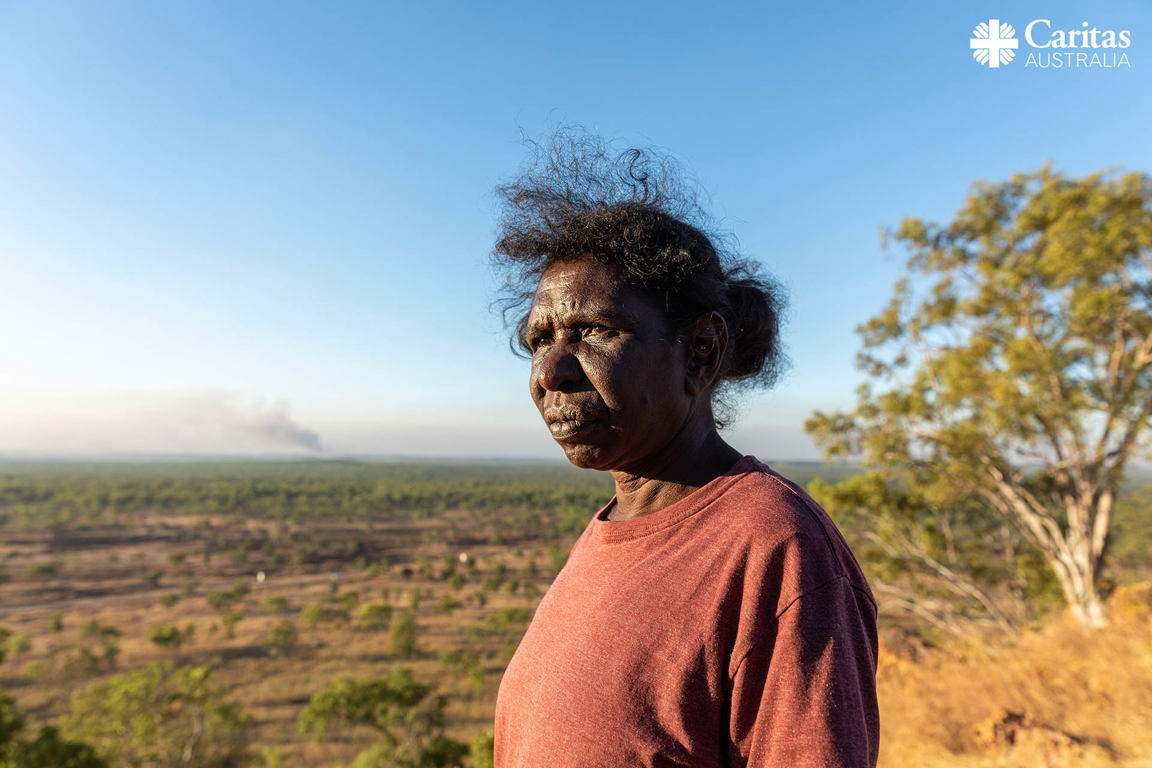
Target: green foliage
[
  {"x": 11, "y": 721},
  {"x": 346, "y": 601},
  {"x": 1017, "y": 365},
  {"x": 271, "y": 757},
  {"x": 282, "y": 639},
  {"x": 480, "y": 749},
  {"x": 159, "y": 715},
  {"x": 530, "y": 502},
  {"x": 917, "y": 552},
  {"x": 475, "y": 676},
  {"x": 43, "y": 570},
  {"x": 506, "y": 623},
  {"x": 277, "y": 604},
  {"x": 466, "y": 664},
  {"x": 94, "y": 630},
  {"x": 403, "y": 635},
  {"x": 445, "y": 604},
  {"x": 1128, "y": 552},
  {"x": 230, "y": 620},
  {"x": 314, "y": 614},
  {"x": 47, "y": 750},
  {"x": 460, "y": 660},
  {"x": 496, "y": 579},
  {"x": 97, "y": 649},
  {"x": 407, "y": 717},
  {"x": 168, "y": 600},
  {"x": 225, "y": 600},
  {"x": 373, "y": 616},
  {"x": 557, "y": 558},
  {"x": 166, "y": 636},
  {"x": 17, "y": 644},
  {"x": 424, "y": 567}
]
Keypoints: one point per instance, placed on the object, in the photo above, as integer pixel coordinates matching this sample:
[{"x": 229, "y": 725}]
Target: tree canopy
[
  {"x": 159, "y": 715},
  {"x": 405, "y": 713},
  {"x": 1012, "y": 367},
  {"x": 46, "y": 750}
]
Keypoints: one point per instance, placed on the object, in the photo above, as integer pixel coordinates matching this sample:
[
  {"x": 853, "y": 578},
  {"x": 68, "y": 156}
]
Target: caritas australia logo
[{"x": 1045, "y": 45}]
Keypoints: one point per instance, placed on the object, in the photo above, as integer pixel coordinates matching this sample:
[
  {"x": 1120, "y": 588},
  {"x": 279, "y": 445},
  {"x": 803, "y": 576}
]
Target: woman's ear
[{"x": 705, "y": 341}]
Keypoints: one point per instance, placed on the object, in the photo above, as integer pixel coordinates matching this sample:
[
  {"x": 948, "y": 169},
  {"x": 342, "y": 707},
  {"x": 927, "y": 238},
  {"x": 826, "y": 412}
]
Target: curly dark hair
[{"x": 633, "y": 210}]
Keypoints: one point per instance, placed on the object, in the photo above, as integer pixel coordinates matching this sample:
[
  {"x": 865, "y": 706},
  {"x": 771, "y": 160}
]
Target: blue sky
[{"x": 263, "y": 227}]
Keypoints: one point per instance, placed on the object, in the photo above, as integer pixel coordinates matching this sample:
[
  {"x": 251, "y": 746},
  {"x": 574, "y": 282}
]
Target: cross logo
[{"x": 994, "y": 43}]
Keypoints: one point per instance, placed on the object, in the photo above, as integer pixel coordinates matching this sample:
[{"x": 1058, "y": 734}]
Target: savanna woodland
[{"x": 992, "y": 479}]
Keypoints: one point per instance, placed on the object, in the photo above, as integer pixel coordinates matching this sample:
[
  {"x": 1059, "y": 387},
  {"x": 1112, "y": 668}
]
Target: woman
[{"x": 711, "y": 614}]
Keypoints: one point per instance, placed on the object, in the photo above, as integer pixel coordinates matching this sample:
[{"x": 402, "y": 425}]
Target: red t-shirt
[{"x": 732, "y": 628}]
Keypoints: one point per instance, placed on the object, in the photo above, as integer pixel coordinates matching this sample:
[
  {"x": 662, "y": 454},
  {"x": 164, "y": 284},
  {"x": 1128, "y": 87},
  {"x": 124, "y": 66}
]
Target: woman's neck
[{"x": 682, "y": 473}]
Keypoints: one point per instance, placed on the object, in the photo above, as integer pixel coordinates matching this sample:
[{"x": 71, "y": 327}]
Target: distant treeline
[
  {"x": 43, "y": 496},
  {"x": 39, "y": 496}
]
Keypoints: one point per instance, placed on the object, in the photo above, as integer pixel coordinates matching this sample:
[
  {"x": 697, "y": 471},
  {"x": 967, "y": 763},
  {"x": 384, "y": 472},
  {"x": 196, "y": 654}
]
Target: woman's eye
[{"x": 597, "y": 330}]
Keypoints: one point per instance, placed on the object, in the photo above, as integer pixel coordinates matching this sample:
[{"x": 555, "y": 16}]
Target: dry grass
[
  {"x": 103, "y": 580},
  {"x": 1066, "y": 696},
  {"x": 1085, "y": 697}
]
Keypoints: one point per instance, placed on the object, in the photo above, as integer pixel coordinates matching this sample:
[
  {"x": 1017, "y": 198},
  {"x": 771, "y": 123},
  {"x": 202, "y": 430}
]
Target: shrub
[
  {"x": 224, "y": 600},
  {"x": 408, "y": 717},
  {"x": 282, "y": 639},
  {"x": 277, "y": 604},
  {"x": 445, "y": 604},
  {"x": 374, "y": 616},
  {"x": 18, "y": 644},
  {"x": 480, "y": 749},
  {"x": 313, "y": 614},
  {"x": 166, "y": 636},
  {"x": 403, "y": 636},
  {"x": 230, "y": 620},
  {"x": 43, "y": 570}
]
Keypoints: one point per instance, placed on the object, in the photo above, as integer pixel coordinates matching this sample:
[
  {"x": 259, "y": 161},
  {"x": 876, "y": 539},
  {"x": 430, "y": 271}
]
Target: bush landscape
[{"x": 324, "y": 613}]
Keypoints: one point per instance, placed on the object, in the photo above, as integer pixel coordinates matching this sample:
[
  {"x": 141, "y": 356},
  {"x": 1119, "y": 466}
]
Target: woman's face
[{"x": 608, "y": 376}]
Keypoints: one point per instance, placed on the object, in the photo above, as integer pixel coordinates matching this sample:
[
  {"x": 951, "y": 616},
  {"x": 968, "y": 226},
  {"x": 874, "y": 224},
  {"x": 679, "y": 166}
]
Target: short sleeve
[{"x": 804, "y": 696}]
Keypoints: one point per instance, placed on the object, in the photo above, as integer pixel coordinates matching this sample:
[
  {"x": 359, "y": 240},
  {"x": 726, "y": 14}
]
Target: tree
[
  {"x": 159, "y": 715},
  {"x": 403, "y": 635},
  {"x": 946, "y": 560},
  {"x": 480, "y": 749},
  {"x": 1019, "y": 354},
  {"x": 409, "y": 719},
  {"x": 282, "y": 639},
  {"x": 166, "y": 636},
  {"x": 47, "y": 750},
  {"x": 374, "y": 615},
  {"x": 96, "y": 648}
]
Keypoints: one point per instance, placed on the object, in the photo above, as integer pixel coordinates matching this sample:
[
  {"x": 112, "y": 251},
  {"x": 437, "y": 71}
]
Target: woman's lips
[{"x": 563, "y": 429}]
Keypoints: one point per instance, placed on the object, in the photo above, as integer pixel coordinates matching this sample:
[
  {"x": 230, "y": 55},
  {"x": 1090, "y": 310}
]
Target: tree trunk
[
  {"x": 1077, "y": 577},
  {"x": 1073, "y": 552}
]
